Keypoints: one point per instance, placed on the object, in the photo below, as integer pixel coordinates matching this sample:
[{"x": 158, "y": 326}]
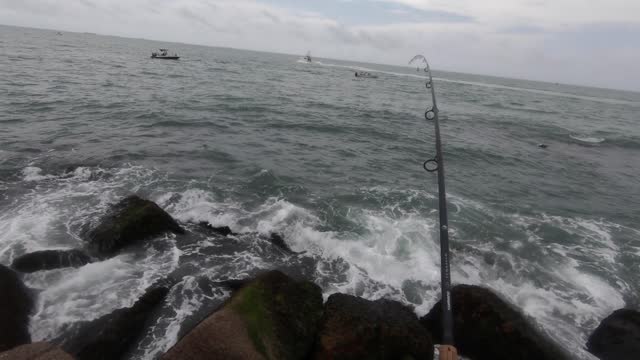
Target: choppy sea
[{"x": 267, "y": 143}]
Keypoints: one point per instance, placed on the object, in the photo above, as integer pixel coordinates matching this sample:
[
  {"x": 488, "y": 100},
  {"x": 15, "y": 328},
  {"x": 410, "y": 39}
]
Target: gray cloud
[
  {"x": 32, "y": 6},
  {"x": 192, "y": 16},
  {"x": 274, "y": 18},
  {"x": 88, "y": 4},
  {"x": 522, "y": 29}
]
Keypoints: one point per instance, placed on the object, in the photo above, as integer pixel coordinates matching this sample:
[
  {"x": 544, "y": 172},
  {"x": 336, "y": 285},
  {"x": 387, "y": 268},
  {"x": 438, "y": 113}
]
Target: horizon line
[{"x": 633, "y": 91}]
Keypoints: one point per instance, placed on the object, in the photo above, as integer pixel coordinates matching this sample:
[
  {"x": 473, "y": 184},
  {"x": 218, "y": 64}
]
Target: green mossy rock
[
  {"x": 281, "y": 315},
  {"x": 355, "y": 328},
  {"x": 132, "y": 219},
  {"x": 272, "y": 317}
]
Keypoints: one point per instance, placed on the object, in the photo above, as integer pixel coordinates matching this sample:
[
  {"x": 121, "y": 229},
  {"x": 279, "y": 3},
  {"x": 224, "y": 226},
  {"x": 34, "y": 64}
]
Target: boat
[
  {"x": 365, "y": 75},
  {"x": 307, "y": 57},
  {"x": 164, "y": 54}
]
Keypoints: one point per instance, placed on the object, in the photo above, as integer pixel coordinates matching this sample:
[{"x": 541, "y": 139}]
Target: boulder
[
  {"x": 50, "y": 259},
  {"x": 487, "y": 327},
  {"x": 112, "y": 335},
  {"x": 617, "y": 336},
  {"x": 272, "y": 317},
  {"x": 219, "y": 230},
  {"x": 36, "y": 351},
  {"x": 15, "y": 306},
  {"x": 355, "y": 328},
  {"x": 278, "y": 240},
  {"x": 132, "y": 219},
  {"x": 233, "y": 284}
]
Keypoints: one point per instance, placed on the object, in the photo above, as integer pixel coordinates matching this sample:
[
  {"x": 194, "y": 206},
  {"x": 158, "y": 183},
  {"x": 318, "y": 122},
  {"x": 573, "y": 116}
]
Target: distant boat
[
  {"x": 307, "y": 57},
  {"x": 164, "y": 54},
  {"x": 365, "y": 75}
]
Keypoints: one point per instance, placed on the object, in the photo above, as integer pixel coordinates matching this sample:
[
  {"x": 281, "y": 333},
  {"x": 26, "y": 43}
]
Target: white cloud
[{"x": 555, "y": 13}]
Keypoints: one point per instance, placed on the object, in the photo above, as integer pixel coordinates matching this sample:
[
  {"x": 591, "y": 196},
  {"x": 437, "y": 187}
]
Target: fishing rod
[{"x": 447, "y": 349}]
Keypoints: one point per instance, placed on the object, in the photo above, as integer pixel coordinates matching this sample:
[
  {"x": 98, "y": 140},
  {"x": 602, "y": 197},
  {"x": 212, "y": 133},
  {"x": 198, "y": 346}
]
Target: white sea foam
[
  {"x": 50, "y": 217},
  {"x": 96, "y": 289},
  {"x": 587, "y": 139},
  {"x": 33, "y": 173},
  {"x": 397, "y": 246},
  {"x": 395, "y": 250},
  {"x": 26, "y": 229},
  {"x": 186, "y": 299},
  {"x": 274, "y": 215}
]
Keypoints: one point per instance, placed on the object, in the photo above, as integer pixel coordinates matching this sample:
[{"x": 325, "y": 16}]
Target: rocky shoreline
[{"x": 276, "y": 316}]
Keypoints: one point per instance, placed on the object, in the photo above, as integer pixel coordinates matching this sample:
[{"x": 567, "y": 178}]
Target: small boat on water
[
  {"x": 307, "y": 57},
  {"x": 164, "y": 54},
  {"x": 365, "y": 75}
]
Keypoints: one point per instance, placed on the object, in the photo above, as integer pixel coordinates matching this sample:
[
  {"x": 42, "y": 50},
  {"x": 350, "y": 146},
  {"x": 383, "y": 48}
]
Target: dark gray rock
[
  {"x": 132, "y": 219},
  {"x": 15, "y": 306},
  {"x": 50, "y": 259},
  {"x": 219, "y": 230},
  {"x": 233, "y": 284},
  {"x": 112, "y": 335},
  {"x": 277, "y": 240},
  {"x": 617, "y": 337},
  {"x": 488, "y": 328},
  {"x": 355, "y": 328}
]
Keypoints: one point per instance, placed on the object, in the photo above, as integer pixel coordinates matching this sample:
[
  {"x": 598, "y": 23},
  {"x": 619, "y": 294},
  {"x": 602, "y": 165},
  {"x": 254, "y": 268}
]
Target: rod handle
[{"x": 448, "y": 352}]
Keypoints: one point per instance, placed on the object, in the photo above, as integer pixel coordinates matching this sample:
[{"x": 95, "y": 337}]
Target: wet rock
[
  {"x": 617, "y": 336},
  {"x": 111, "y": 336},
  {"x": 36, "y": 351},
  {"x": 132, "y": 219},
  {"x": 15, "y": 306},
  {"x": 487, "y": 327},
  {"x": 355, "y": 328},
  {"x": 220, "y": 230},
  {"x": 272, "y": 317},
  {"x": 50, "y": 259},
  {"x": 233, "y": 284},
  {"x": 278, "y": 240}
]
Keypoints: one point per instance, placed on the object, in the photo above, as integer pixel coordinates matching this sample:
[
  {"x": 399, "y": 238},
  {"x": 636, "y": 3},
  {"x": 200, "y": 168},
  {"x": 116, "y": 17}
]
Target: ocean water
[{"x": 266, "y": 143}]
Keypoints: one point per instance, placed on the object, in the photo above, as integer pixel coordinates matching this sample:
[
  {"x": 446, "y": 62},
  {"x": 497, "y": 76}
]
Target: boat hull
[{"x": 166, "y": 57}]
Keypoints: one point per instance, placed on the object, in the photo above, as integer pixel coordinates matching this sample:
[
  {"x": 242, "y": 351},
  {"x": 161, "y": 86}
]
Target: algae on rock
[
  {"x": 132, "y": 219},
  {"x": 272, "y": 317}
]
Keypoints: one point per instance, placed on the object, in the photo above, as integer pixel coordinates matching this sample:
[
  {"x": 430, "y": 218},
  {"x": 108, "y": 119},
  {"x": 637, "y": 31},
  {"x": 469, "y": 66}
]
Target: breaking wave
[{"x": 547, "y": 268}]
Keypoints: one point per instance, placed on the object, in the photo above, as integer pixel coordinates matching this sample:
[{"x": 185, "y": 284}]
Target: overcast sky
[{"x": 591, "y": 42}]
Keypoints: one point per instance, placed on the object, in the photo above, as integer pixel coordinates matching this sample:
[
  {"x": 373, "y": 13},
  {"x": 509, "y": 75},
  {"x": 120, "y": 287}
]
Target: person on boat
[{"x": 356, "y": 74}]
